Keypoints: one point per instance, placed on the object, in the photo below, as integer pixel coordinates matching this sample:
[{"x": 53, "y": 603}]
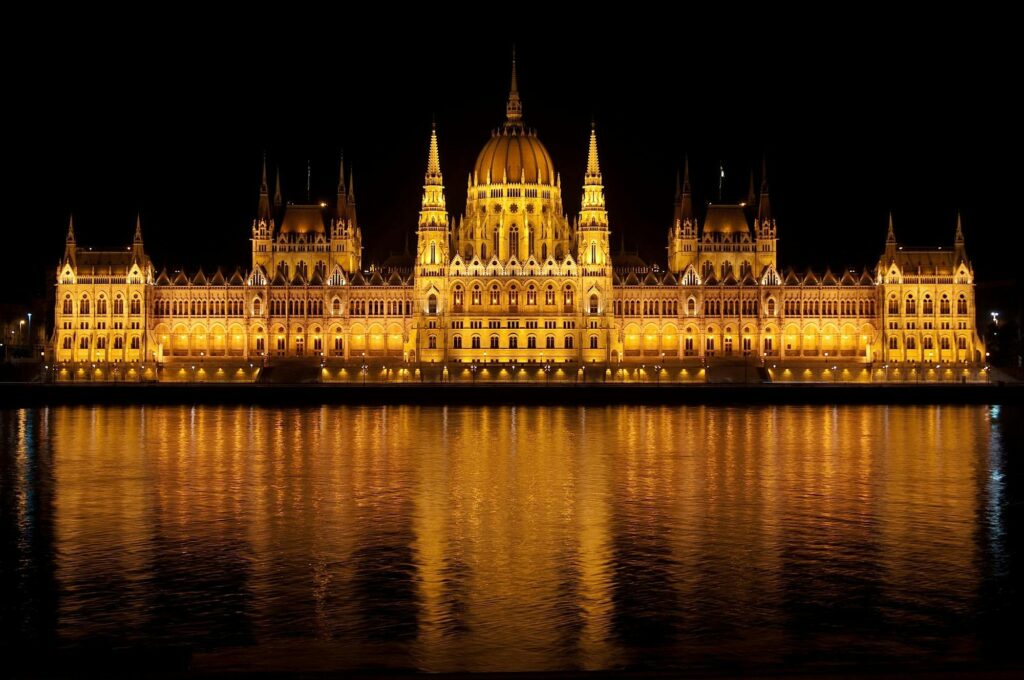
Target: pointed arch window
[{"x": 513, "y": 241}]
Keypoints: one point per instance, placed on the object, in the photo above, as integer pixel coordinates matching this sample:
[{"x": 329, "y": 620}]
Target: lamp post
[
  {"x": 657, "y": 374},
  {"x": 547, "y": 374},
  {"x": 363, "y": 369},
  {"x": 21, "y": 331},
  {"x": 30, "y": 329}
]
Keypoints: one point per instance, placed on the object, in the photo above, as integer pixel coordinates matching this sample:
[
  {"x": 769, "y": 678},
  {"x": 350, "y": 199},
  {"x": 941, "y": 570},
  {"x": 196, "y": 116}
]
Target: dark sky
[{"x": 857, "y": 116}]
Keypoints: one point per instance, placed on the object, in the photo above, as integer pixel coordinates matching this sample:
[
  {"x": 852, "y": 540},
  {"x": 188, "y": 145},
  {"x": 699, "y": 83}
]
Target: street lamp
[
  {"x": 30, "y": 328},
  {"x": 547, "y": 373}
]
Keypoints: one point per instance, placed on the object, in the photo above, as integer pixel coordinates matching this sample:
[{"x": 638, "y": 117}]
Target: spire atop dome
[
  {"x": 71, "y": 229},
  {"x": 593, "y": 167},
  {"x": 263, "y": 210},
  {"x": 433, "y": 158},
  {"x": 514, "y": 108},
  {"x": 138, "y": 229}
]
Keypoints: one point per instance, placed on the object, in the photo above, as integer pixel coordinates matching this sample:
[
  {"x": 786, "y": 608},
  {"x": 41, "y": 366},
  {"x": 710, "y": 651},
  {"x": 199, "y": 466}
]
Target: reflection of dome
[{"x": 514, "y": 152}]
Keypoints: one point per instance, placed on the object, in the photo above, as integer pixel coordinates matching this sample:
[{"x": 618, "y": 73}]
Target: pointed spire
[
  {"x": 263, "y": 209},
  {"x": 70, "y": 249},
  {"x": 352, "y": 186},
  {"x": 890, "y": 237},
  {"x": 514, "y": 108},
  {"x": 278, "y": 201},
  {"x": 71, "y": 229},
  {"x": 433, "y": 159},
  {"x": 685, "y": 199},
  {"x": 138, "y": 229},
  {"x": 764, "y": 208},
  {"x": 959, "y": 238},
  {"x": 593, "y": 167},
  {"x": 341, "y": 205}
]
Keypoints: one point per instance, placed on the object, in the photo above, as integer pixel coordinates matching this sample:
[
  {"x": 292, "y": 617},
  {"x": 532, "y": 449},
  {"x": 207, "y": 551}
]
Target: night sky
[{"x": 856, "y": 118}]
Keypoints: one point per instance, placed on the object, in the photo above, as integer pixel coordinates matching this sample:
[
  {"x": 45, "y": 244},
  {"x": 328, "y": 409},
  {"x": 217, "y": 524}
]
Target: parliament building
[{"x": 515, "y": 290}]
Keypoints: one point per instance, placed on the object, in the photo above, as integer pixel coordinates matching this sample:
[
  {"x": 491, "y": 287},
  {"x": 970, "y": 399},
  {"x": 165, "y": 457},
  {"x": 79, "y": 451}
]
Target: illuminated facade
[{"x": 514, "y": 289}]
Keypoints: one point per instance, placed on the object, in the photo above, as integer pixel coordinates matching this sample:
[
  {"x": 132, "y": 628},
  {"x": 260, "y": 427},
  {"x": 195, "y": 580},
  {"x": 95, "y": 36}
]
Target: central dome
[{"x": 516, "y": 154}]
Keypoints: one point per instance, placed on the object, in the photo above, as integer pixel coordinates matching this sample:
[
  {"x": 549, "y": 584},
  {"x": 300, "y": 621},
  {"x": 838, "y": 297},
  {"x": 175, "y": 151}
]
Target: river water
[{"x": 500, "y": 538}]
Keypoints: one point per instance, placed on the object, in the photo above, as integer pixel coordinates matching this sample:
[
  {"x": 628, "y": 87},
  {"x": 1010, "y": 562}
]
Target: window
[
  {"x": 318, "y": 344},
  {"x": 894, "y": 343},
  {"x": 433, "y": 253},
  {"x": 691, "y": 307},
  {"x": 101, "y": 306},
  {"x": 513, "y": 296},
  {"x": 257, "y": 307},
  {"x": 531, "y": 295},
  {"x": 944, "y": 343},
  {"x": 568, "y": 296},
  {"x": 336, "y": 307},
  {"x": 457, "y": 342},
  {"x": 101, "y": 342},
  {"x": 457, "y": 298},
  {"x": 136, "y": 306},
  {"x": 911, "y": 306},
  {"x": 476, "y": 342},
  {"x": 83, "y": 306},
  {"x": 568, "y": 342},
  {"x": 531, "y": 342},
  {"x": 119, "y": 343},
  {"x": 495, "y": 295},
  {"x": 83, "y": 343},
  {"x": 894, "y": 305},
  {"x": 476, "y": 295},
  {"x": 944, "y": 305},
  {"x": 593, "y": 253},
  {"x": 593, "y": 303},
  {"x": 961, "y": 342},
  {"x": 709, "y": 344},
  {"x": 961, "y": 305},
  {"x": 549, "y": 295},
  {"x": 67, "y": 342},
  {"x": 771, "y": 306},
  {"x": 494, "y": 342},
  {"x": 118, "y": 306},
  {"x": 260, "y": 347},
  {"x": 928, "y": 306},
  {"x": 928, "y": 342},
  {"x": 339, "y": 344},
  {"x": 432, "y": 304},
  {"x": 135, "y": 342},
  {"x": 432, "y": 342},
  {"x": 513, "y": 241},
  {"x": 513, "y": 342},
  {"x": 593, "y": 342},
  {"x": 549, "y": 342},
  {"x": 911, "y": 343},
  {"x": 67, "y": 309}
]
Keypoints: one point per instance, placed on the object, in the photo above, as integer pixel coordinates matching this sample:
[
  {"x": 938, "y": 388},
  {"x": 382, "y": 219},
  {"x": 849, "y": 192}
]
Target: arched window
[
  {"x": 910, "y": 307},
  {"x": 494, "y": 342},
  {"x": 83, "y": 306},
  {"x": 531, "y": 342},
  {"x": 944, "y": 342},
  {"x": 257, "y": 307},
  {"x": 68, "y": 307},
  {"x": 961, "y": 305},
  {"x": 483, "y": 252},
  {"x": 433, "y": 253},
  {"x": 593, "y": 303},
  {"x": 67, "y": 342},
  {"x": 136, "y": 305},
  {"x": 961, "y": 342},
  {"x": 135, "y": 342},
  {"x": 431, "y": 304},
  {"x": 475, "y": 342},
  {"x": 336, "y": 306},
  {"x": 495, "y": 295},
  {"x": 476, "y": 294},
  {"x": 118, "y": 306},
  {"x": 691, "y": 307},
  {"x": 101, "y": 342},
  {"x": 513, "y": 342},
  {"x": 911, "y": 343},
  {"x": 457, "y": 342},
  {"x": 101, "y": 305},
  {"x": 593, "y": 342},
  {"x": 894, "y": 305},
  {"x": 928, "y": 306},
  {"x": 568, "y": 342},
  {"x": 513, "y": 241},
  {"x": 432, "y": 342},
  {"x": 944, "y": 305},
  {"x": 119, "y": 342},
  {"x": 531, "y": 295},
  {"x": 549, "y": 342},
  {"x": 568, "y": 296},
  {"x": 495, "y": 239},
  {"x": 593, "y": 252},
  {"x": 771, "y": 306},
  {"x": 894, "y": 343},
  {"x": 549, "y": 295}
]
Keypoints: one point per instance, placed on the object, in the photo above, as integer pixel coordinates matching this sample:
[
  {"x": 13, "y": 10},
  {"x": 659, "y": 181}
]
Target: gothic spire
[
  {"x": 341, "y": 206},
  {"x": 278, "y": 201},
  {"x": 890, "y": 237},
  {"x": 263, "y": 210},
  {"x": 514, "y": 108},
  {"x": 685, "y": 198},
  {"x": 69, "y": 245},
  {"x": 959, "y": 238},
  {"x": 138, "y": 229},
  {"x": 71, "y": 229},
  {"x": 593, "y": 175},
  {"x": 764, "y": 208},
  {"x": 433, "y": 175}
]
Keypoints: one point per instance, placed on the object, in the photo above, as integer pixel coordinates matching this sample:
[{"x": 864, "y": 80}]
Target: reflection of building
[{"x": 512, "y": 281}]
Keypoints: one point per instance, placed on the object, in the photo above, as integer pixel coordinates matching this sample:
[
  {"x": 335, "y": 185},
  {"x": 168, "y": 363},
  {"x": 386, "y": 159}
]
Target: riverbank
[{"x": 13, "y": 395}]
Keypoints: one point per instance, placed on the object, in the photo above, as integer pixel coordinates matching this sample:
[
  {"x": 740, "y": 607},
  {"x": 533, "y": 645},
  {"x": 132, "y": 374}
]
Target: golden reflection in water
[{"x": 508, "y": 538}]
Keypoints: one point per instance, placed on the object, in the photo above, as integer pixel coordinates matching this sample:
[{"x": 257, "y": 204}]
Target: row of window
[
  {"x": 647, "y": 307},
  {"x": 85, "y": 305},
  {"x": 927, "y": 342},
  {"x": 513, "y": 342},
  {"x": 927, "y": 305},
  {"x": 828, "y": 308},
  {"x": 199, "y": 307},
  {"x": 476, "y": 295},
  {"x": 101, "y": 342}
]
